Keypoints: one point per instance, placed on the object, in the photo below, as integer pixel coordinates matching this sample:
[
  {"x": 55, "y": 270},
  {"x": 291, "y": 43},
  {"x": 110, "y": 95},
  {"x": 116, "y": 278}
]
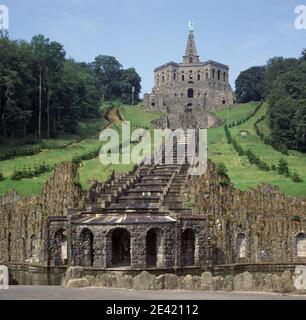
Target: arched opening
[
  {"x": 301, "y": 245},
  {"x": 199, "y": 77},
  {"x": 241, "y": 245},
  {"x": 224, "y": 76},
  {"x": 154, "y": 247},
  {"x": 121, "y": 247},
  {"x": 213, "y": 73},
  {"x": 223, "y": 101},
  {"x": 190, "y": 60},
  {"x": 59, "y": 248},
  {"x": 34, "y": 250},
  {"x": 86, "y": 248},
  {"x": 190, "y": 93},
  {"x": 219, "y": 74},
  {"x": 183, "y": 77},
  {"x": 188, "y": 247}
]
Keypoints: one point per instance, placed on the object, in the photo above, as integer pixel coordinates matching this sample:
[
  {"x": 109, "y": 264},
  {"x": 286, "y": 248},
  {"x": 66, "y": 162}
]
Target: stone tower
[{"x": 192, "y": 87}]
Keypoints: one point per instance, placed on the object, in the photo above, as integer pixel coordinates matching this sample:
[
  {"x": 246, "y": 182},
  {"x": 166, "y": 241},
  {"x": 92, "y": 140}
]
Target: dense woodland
[
  {"x": 43, "y": 93},
  {"x": 282, "y": 83}
]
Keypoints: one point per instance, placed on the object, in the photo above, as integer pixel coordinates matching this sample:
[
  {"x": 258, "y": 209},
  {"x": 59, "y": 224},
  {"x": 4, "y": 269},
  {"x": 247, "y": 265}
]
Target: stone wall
[
  {"x": 260, "y": 219},
  {"x": 23, "y": 220},
  {"x": 243, "y": 282}
]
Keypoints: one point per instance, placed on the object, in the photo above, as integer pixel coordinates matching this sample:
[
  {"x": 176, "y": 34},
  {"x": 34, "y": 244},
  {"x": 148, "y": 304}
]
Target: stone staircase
[{"x": 148, "y": 189}]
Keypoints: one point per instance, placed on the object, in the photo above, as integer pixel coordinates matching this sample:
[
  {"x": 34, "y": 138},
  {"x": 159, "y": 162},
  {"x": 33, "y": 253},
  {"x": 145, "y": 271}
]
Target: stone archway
[
  {"x": 188, "y": 248},
  {"x": 86, "y": 248},
  {"x": 154, "y": 252},
  {"x": 301, "y": 245},
  {"x": 59, "y": 248},
  {"x": 120, "y": 240}
]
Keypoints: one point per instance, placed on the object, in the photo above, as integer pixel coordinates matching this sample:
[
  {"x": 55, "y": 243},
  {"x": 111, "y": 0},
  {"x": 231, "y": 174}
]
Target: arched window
[
  {"x": 188, "y": 248},
  {"x": 154, "y": 247},
  {"x": 120, "y": 247},
  {"x": 301, "y": 245},
  {"x": 219, "y": 74},
  {"x": 190, "y": 93},
  {"x": 207, "y": 75},
  {"x": 183, "y": 77},
  {"x": 86, "y": 248},
  {"x": 190, "y": 60},
  {"x": 213, "y": 73},
  {"x": 224, "y": 76},
  {"x": 163, "y": 79},
  {"x": 241, "y": 245},
  {"x": 199, "y": 77}
]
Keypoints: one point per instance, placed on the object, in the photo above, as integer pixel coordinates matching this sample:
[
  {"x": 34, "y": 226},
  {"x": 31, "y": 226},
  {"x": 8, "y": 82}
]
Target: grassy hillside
[
  {"x": 55, "y": 151},
  {"x": 243, "y": 174}
]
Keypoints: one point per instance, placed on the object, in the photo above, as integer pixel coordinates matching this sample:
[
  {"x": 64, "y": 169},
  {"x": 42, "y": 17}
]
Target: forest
[
  {"x": 282, "y": 83},
  {"x": 43, "y": 94}
]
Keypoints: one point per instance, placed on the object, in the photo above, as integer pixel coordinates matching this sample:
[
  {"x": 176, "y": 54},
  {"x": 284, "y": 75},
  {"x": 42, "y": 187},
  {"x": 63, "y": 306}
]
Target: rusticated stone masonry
[
  {"x": 23, "y": 220},
  {"x": 261, "y": 225}
]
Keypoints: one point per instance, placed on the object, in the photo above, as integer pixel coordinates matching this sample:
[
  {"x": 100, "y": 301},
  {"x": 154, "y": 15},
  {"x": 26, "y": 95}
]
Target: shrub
[
  {"x": 282, "y": 167},
  {"x": 225, "y": 181},
  {"x": 221, "y": 168},
  {"x": 20, "y": 152},
  {"x": 296, "y": 218},
  {"x": 295, "y": 177},
  {"x": 30, "y": 172},
  {"x": 1, "y": 176},
  {"x": 86, "y": 156}
]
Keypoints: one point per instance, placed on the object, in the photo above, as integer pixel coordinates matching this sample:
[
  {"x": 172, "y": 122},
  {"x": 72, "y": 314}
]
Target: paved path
[{"x": 50, "y": 293}]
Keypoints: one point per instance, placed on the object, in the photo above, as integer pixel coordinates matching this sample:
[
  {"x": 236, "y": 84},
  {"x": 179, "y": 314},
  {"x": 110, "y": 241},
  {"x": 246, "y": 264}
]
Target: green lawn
[{"x": 242, "y": 173}]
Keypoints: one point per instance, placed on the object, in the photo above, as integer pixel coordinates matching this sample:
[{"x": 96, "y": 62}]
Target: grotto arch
[
  {"x": 59, "y": 248},
  {"x": 188, "y": 248},
  {"x": 241, "y": 246},
  {"x": 86, "y": 248},
  {"x": 154, "y": 248},
  {"x": 119, "y": 247}
]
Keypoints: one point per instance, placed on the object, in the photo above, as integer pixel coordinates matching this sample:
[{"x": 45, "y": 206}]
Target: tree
[
  {"x": 249, "y": 85},
  {"x": 39, "y": 46},
  {"x": 129, "y": 79}
]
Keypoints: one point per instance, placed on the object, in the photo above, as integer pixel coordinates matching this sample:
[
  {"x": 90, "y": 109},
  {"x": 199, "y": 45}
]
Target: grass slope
[
  {"x": 242, "y": 173},
  {"x": 53, "y": 154}
]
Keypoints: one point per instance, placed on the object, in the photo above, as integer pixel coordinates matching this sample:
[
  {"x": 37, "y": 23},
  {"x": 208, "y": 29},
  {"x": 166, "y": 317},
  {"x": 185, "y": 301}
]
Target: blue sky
[{"x": 147, "y": 33}]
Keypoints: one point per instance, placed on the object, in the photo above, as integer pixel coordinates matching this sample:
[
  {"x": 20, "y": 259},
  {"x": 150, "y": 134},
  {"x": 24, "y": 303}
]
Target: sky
[{"x": 147, "y": 33}]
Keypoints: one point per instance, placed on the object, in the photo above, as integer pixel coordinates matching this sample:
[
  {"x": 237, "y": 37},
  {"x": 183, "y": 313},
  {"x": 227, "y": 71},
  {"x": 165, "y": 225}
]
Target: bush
[
  {"x": 283, "y": 168},
  {"x": 86, "y": 156},
  {"x": 295, "y": 177},
  {"x": 296, "y": 218},
  {"x": 31, "y": 172},
  {"x": 225, "y": 181},
  {"x": 20, "y": 152},
  {"x": 1, "y": 176},
  {"x": 221, "y": 168}
]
